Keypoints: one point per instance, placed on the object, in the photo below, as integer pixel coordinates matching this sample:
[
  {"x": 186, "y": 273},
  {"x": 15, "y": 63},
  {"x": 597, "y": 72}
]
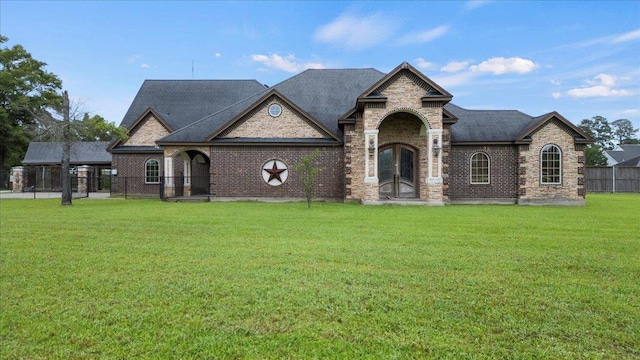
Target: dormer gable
[
  {"x": 273, "y": 116},
  {"x": 579, "y": 136},
  {"x": 148, "y": 127},
  {"x": 428, "y": 93}
]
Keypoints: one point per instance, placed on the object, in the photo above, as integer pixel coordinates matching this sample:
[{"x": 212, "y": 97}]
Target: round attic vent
[{"x": 275, "y": 110}]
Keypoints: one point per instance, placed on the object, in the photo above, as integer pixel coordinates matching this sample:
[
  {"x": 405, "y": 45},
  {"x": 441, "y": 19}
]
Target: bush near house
[{"x": 148, "y": 279}]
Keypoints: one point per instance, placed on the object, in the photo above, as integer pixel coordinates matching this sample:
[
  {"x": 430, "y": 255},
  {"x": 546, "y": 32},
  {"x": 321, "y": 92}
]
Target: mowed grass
[{"x": 148, "y": 279}]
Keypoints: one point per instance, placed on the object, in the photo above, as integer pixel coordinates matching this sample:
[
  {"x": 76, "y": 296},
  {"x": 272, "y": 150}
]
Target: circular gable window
[{"x": 275, "y": 110}]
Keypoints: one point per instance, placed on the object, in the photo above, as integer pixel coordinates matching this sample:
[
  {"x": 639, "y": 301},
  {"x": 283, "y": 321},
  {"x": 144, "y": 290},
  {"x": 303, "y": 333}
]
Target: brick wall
[
  {"x": 503, "y": 170},
  {"x": 132, "y": 168},
  {"x": 237, "y": 172}
]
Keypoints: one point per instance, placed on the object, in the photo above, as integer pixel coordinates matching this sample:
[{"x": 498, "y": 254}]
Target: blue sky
[{"x": 578, "y": 58}]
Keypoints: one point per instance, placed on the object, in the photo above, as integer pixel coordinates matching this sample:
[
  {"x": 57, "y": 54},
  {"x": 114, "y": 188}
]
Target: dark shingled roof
[
  {"x": 200, "y": 130},
  {"x": 325, "y": 94},
  {"x": 82, "y": 153},
  {"x": 634, "y": 162},
  {"x": 629, "y": 151},
  {"x": 196, "y": 109},
  {"x": 488, "y": 125},
  {"x": 181, "y": 102}
]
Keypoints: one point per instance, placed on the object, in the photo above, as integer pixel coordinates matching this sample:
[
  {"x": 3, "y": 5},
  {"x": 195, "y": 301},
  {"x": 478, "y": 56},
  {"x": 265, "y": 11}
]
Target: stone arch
[{"x": 411, "y": 111}]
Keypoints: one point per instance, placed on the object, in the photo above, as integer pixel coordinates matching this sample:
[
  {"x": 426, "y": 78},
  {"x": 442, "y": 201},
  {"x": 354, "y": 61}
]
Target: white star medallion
[{"x": 275, "y": 172}]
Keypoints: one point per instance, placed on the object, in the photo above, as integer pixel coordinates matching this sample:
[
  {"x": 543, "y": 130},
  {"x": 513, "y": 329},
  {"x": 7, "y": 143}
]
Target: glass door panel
[{"x": 396, "y": 172}]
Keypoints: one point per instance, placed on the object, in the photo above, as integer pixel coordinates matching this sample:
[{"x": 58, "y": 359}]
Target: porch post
[
  {"x": 169, "y": 187},
  {"x": 186, "y": 165}
]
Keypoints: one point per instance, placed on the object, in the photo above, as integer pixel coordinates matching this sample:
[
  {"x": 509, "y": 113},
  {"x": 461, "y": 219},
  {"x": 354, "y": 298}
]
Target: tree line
[{"x": 606, "y": 136}]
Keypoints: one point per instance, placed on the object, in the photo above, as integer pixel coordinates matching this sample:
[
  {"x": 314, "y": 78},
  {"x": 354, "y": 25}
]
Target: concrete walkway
[{"x": 51, "y": 195}]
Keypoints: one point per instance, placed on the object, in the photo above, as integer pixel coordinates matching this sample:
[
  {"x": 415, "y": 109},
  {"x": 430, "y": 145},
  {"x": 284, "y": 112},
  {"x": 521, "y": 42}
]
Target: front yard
[{"x": 146, "y": 279}]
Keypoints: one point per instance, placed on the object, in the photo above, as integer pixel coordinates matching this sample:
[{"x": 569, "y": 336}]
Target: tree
[
  {"x": 599, "y": 129},
  {"x": 623, "y": 131},
  {"x": 595, "y": 156},
  {"x": 97, "y": 128},
  {"x": 26, "y": 89},
  {"x": 308, "y": 176}
]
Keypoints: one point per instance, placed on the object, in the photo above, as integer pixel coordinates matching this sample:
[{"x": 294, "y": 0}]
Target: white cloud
[
  {"x": 633, "y": 35},
  {"x": 455, "y": 66},
  {"x": 424, "y": 64},
  {"x": 597, "y": 91},
  {"x": 501, "y": 65},
  {"x": 602, "y": 85},
  {"x": 556, "y": 95},
  {"x": 424, "y": 36},
  {"x": 555, "y": 82},
  {"x": 288, "y": 63},
  {"x": 145, "y": 66},
  {"x": 603, "y": 79},
  {"x": 461, "y": 78},
  {"x": 218, "y": 55},
  {"x": 357, "y": 31}
]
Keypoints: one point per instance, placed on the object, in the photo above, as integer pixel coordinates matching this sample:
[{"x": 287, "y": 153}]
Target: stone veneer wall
[
  {"x": 259, "y": 124},
  {"x": 503, "y": 169},
  {"x": 572, "y": 188},
  {"x": 236, "y": 172},
  {"x": 404, "y": 94},
  {"x": 147, "y": 133}
]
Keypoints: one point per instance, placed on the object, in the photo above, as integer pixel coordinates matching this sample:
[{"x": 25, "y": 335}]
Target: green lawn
[{"x": 147, "y": 279}]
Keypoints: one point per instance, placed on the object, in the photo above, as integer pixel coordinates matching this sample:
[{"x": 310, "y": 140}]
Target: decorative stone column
[
  {"x": 84, "y": 171},
  {"x": 169, "y": 187},
  {"x": 186, "y": 166},
  {"x": 19, "y": 181},
  {"x": 434, "y": 179}
]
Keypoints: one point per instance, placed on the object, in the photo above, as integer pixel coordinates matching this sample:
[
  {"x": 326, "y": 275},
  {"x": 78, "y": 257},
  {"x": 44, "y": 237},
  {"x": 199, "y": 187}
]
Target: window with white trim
[
  {"x": 550, "y": 165},
  {"x": 151, "y": 172},
  {"x": 479, "y": 165}
]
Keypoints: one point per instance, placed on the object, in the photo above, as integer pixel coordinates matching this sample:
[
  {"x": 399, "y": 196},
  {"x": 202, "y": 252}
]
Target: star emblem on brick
[{"x": 274, "y": 172}]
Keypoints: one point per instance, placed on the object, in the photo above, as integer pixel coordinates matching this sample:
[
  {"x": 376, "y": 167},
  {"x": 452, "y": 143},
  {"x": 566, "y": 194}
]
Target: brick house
[{"x": 382, "y": 138}]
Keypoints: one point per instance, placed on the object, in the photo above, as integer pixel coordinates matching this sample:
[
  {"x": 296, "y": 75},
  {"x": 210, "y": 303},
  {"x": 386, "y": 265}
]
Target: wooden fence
[{"x": 613, "y": 179}]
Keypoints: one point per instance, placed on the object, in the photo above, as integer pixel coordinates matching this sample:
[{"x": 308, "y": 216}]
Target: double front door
[{"x": 397, "y": 172}]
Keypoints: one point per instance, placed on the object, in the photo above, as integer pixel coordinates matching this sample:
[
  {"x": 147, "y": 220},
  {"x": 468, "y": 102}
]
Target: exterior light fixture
[{"x": 436, "y": 147}]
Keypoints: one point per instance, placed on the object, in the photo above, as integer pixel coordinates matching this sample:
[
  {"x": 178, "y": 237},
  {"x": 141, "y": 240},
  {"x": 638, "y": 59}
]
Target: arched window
[
  {"x": 151, "y": 172},
  {"x": 479, "y": 168},
  {"x": 550, "y": 165}
]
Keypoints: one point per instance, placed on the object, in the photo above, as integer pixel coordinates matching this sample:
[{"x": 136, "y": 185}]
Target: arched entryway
[
  {"x": 397, "y": 173},
  {"x": 402, "y": 139},
  {"x": 191, "y": 173}
]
